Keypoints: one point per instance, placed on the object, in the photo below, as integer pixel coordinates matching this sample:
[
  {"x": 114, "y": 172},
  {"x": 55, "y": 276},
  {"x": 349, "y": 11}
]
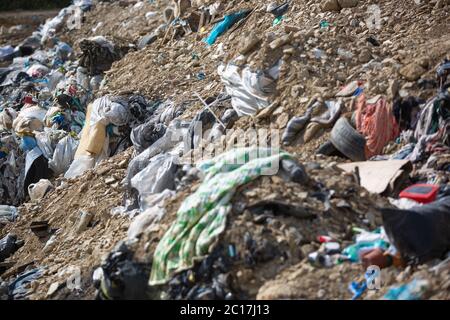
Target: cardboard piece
[{"x": 377, "y": 176}]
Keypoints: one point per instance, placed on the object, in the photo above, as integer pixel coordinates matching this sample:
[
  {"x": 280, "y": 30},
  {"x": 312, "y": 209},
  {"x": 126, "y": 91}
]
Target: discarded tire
[
  {"x": 327, "y": 149},
  {"x": 348, "y": 141}
]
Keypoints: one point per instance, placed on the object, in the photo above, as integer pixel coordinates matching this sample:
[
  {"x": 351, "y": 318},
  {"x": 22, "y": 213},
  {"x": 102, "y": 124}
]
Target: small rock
[
  {"x": 115, "y": 185},
  {"x": 343, "y": 204},
  {"x": 412, "y": 71},
  {"x": 393, "y": 89},
  {"x": 281, "y": 41},
  {"x": 282, "y": 120},
  {"x": 439, "y": 4},
  {"x": 364, "y": 56},
  {"x": 296, "y": 90},
  {"x": 334, "y": 276},
  {"x": 110, "y": 180},
  {"x": 302, "y": 195},
  {"x": 330, "y": 5},
  {"x": 53, "y": 287},
  {"x": 289, "y": 50},
  {"x": 84, "y": 220},
  {"x": 278, "y": 111},
  {"x": 248, "y": 43},
  {"x": 103, "y": 170},
  {"x": 354, "y": 23},
  {"x": 348, "y": 3},
  {"x": 402, "y": 276},
  {"x": 307, "y": 249},
  {"x": 123, "y": 163},
  {"x": 424, "y": 62}
]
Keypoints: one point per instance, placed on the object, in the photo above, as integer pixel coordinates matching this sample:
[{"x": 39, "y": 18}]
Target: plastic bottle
[{"x": 354, "y": 251}]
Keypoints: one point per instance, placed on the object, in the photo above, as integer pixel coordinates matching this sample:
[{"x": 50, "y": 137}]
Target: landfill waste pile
[{"x": 200, "y": 149}]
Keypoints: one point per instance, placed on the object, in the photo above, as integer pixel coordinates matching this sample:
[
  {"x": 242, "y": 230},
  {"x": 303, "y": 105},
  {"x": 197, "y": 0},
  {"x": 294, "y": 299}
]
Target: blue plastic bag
[
  {"x": 224, "y": 25},
  {"x": 28, "y": 143},
  {"x": 410, "y": 291}
]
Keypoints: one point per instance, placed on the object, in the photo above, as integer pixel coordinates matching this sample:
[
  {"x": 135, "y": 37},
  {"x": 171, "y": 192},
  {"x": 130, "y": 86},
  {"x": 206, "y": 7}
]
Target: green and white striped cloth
[{"x": 202, "y": 216}]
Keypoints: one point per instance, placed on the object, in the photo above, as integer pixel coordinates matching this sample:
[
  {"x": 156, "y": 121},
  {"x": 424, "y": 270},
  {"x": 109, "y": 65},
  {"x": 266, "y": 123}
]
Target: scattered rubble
[{"x": 99, "y": 125}]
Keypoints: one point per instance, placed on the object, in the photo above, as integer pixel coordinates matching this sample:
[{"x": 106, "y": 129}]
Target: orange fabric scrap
[{"x": 375, "y": 120}]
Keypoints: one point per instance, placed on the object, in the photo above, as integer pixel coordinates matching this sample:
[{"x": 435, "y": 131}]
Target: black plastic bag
[
  {"x": 144, "y": 135},
  {"x": 8, "y": 245},
  {"x": 123, "y": 278},
  {"x": 19, "y": 288},
  {"x": 421, "y": 233}
]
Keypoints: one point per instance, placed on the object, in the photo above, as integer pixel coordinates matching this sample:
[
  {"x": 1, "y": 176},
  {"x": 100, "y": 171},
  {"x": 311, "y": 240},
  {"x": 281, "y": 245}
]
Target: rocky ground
[
  {"x": 411, "y": 41},
  {"x": 17, "y": 25}
]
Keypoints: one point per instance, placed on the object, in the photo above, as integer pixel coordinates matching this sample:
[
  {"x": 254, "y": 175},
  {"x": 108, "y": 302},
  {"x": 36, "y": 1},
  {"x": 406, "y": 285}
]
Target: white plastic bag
[
  {"x": 82, "y": 78},
  {"x": 54, "y": 77},
  {"x": 39, "y": 189},
  {"x": 175, "y": 133},
  {"x": 157, "y": 176},
  {"x": 110, "y": 110},
  {"x": 8, "y": 213},
  {"x": 63, "y": 155},
  {"x": 6, "y": 51},
  {"x": 44, "y": 143},
  {"x": 38, "y": 70},
  {"x": 79, "y": 166},
  {"x": 33, "y": 112},
  {"x": 144, "y": 220},
  {"x": 250, "y": 91}
]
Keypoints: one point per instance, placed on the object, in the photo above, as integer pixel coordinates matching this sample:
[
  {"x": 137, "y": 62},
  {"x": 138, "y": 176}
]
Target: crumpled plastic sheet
[
  {"x": 228, "y": 118},
  {"x": 98, "y": 54},
  {"x": 12, "y": 173},
  {"x": 201, "y": 217},
  {"x": 63, "y": 51},
  {"x": 8, "y": 245},
  {"x": 166, "y": 112},
  {"x": 152, "y": 213},
  {"x": 63, "y": 155},
  {"x": 329, "y": 117},
  {"x": 18, "y": 288},
  {"x": 6, "y": 51},
  {"x": 79, "y": 166},
  {"x": 120, "y": 277},
  {"x": 110, "y": 110},
  {"x": 174, "y": 136},
  {"x": 47, "y": 140},
  {"x": 250, "y": 91},
  {"x": 37, "y": 70},
  {"x": 157, "y": 176},
  {"x": 144, "y": 135},
  {"x": 430, "y": 221},
  {"x": 15, "y": 77},
  {"x": 220, "y": 28},
  {"x": 140, "y": 109},
  {"x": 8, "y": 213},
  {"x": 294, "y": 126},
  {"x": 7, "y": 117},
  {"x": 198, "y": 125},
  {"x": 413, "y": 290}
]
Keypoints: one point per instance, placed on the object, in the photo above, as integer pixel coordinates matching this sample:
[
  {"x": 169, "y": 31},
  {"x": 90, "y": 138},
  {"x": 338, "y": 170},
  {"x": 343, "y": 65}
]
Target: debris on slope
[{"x": 141, "y": 91}]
